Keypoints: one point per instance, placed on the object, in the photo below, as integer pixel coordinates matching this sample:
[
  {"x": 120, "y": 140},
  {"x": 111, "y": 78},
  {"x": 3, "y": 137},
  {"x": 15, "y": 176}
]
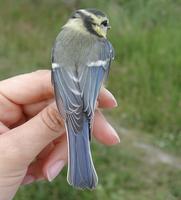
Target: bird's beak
[{"x": 109, "y": 27}]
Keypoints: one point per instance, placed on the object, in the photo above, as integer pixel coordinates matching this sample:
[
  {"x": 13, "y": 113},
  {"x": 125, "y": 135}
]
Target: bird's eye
[{"x": 105, "y": 23}]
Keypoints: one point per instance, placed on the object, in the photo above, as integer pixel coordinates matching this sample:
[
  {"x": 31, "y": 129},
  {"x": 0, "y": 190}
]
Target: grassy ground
[{"x": 145, "y": 78}]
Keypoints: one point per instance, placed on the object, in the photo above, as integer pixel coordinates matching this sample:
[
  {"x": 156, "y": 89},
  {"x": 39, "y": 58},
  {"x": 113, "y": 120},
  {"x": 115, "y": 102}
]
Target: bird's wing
[
  {"x": 94, "y": 74},
  {"x": 67, "y": 95}
]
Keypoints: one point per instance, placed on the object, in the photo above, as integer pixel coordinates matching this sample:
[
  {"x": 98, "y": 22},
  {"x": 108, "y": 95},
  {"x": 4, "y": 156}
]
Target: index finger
[{"x": 28, "y": 88}]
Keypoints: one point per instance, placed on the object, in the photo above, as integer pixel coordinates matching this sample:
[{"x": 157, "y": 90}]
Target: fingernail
[
  {"x": 110, "y": 95},
  {"x": 114, "y": 133},
  {"x": 28, "y": 179},
  {"x": 55, "y": 169}
]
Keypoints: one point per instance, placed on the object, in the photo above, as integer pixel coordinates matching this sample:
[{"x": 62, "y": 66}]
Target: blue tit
[{"x": 81, "y": 58}]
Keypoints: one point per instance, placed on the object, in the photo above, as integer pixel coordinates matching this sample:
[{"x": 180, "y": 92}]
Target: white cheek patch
[
  {"x": 97, "y": 63},
  {"x": 55, "y": 65}
]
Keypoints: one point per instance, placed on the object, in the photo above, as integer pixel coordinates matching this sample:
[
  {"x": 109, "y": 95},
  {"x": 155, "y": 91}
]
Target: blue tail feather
[{"x": 81, "y": 171}]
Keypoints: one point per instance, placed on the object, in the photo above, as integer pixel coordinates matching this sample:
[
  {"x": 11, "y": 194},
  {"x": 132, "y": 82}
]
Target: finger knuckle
[{"x": 52, "y": 119}]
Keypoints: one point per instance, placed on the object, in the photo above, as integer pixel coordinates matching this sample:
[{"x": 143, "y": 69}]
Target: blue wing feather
[
  {"x": 95, "y": 76},
  {"x": 68, "y": 97}
]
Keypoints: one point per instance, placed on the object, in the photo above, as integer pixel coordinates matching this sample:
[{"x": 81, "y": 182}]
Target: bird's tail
[{"x": 81, "y": 172}]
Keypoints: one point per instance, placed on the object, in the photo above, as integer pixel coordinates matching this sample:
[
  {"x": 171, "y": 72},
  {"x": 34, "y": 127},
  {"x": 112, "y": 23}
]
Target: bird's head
[{"x": 90, "y": 21}]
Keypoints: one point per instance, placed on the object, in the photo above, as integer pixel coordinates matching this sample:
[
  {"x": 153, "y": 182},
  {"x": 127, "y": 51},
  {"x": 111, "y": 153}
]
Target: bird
[{"x": 81, "y": 59}]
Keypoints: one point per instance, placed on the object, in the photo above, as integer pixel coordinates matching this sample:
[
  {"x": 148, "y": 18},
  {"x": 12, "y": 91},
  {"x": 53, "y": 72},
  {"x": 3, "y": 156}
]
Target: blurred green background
[{"x": 145, "y": 78}]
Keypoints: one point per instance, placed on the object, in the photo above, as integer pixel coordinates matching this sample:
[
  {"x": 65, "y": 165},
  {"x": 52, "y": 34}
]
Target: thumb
[{"x": 25, "y": 142}]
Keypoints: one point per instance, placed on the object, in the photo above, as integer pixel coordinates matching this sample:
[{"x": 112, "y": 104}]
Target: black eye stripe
[{"x": 104, "y": 23}]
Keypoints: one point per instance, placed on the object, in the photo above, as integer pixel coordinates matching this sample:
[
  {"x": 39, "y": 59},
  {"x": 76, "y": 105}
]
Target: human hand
[{"x": 33, "y": 143}]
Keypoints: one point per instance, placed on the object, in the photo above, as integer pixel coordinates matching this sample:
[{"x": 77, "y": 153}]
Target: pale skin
[{"x": 33, "y": 142}]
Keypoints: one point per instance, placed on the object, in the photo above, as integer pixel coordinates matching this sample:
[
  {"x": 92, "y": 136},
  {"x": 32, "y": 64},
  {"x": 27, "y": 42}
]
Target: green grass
[{"x": 145, "y": 78}]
